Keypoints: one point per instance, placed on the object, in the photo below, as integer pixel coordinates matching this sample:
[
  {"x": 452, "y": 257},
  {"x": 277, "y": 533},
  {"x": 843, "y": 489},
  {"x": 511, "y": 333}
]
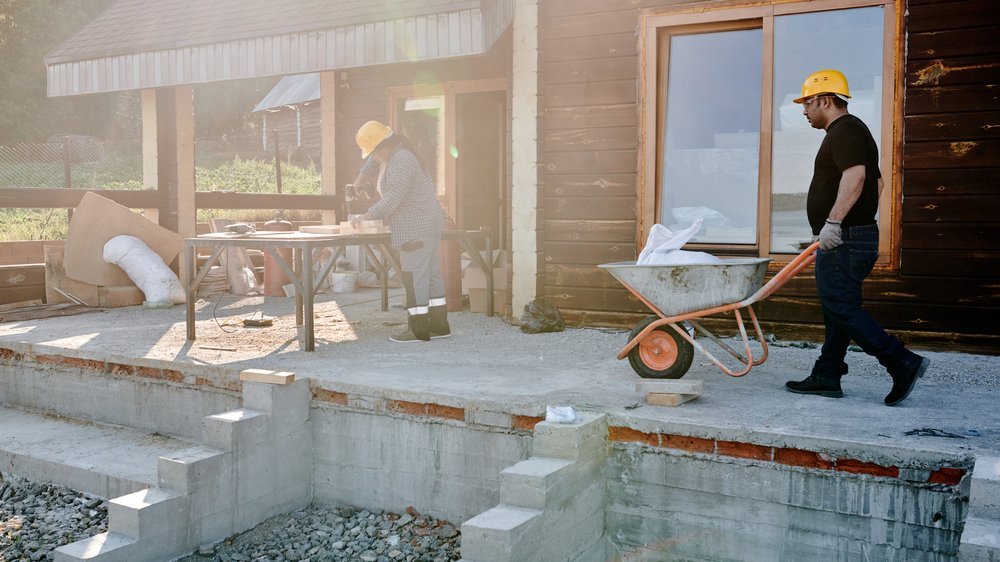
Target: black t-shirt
[{"x": 848, "y": 143}]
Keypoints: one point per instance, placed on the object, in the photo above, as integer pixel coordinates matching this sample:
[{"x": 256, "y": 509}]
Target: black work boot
[
  {"x": 418, "y": 329},
  {"x": 904, "y": 378},
  {"x": 816, "y": 384},
  {"x": 439, "y": 322}
]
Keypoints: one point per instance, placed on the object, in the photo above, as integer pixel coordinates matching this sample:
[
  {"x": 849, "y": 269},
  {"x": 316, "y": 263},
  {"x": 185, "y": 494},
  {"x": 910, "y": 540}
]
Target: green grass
[{"x": 233, "y": 175}]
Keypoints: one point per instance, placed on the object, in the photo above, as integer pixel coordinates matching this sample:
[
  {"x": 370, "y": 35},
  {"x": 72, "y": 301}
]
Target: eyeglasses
[{"x": 806, "y": 104}]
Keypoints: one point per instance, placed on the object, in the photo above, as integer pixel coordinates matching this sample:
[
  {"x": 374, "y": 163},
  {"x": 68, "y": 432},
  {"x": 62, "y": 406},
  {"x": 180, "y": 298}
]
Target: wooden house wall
[{"x": 946, "y": 287}]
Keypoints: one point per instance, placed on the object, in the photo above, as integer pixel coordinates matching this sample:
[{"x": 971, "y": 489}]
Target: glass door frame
[{"x": 657, "y": 25}]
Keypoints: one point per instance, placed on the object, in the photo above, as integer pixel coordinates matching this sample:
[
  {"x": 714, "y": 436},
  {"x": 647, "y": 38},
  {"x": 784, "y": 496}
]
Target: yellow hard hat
[
  {"x": 370, "y": 135},
  {"x": 825, "y": 82}
]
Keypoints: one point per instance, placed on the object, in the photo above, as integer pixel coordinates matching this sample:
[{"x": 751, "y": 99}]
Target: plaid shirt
[{"x": 409, "y": 203}]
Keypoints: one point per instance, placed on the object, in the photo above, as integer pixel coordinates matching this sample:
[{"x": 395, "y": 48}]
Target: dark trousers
[{"x": 839, "y": 274}]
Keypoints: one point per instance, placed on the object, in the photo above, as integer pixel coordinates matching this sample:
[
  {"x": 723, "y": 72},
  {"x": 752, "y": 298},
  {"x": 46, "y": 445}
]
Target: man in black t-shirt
[{"x": 841, "y": 206}]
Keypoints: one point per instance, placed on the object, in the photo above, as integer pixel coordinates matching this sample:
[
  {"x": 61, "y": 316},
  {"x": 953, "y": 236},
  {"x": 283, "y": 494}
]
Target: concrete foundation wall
[
  {"x": 153, "y": 398},
  {"x": 447, "y": 470},
  {"x": 664, "y": 505}
]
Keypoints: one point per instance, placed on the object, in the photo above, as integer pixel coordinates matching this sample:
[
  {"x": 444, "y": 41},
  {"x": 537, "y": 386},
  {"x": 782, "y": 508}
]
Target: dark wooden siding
[{"x": 947, "y": 287}]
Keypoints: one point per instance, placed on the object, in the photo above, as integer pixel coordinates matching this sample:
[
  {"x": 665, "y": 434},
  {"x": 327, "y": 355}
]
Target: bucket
[{"x": 343, "y": 281}]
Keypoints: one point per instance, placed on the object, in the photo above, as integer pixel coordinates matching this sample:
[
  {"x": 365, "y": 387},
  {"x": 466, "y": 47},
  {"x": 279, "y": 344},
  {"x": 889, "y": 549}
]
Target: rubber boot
[
  {"x": 439, "y": 322},
  {"x": 418, "y": 329}
]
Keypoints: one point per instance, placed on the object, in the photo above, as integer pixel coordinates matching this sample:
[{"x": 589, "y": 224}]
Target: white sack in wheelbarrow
[
  {"x": 145, "y": 268},
  {"x": 663, "y": 247}
]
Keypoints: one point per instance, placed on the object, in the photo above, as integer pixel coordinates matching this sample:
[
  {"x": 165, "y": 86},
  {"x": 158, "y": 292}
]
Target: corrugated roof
[
  {"x": 291, "y": 90},
  {"x": 138, "y": 44}
]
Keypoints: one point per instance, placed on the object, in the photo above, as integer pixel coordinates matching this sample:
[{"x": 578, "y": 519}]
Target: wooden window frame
[{"x": 654, "y": 54}]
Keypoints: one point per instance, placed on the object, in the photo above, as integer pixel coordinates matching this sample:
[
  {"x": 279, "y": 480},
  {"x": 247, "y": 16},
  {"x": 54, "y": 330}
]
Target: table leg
[
  {"x": 299, "y": 289},
  {"x": 308, "y": 297},
  {"x": 192, "y": 289}
]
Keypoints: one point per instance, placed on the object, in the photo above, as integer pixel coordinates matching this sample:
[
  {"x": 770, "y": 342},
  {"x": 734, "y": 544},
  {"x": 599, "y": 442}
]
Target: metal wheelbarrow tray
[{"x": 659, "y": 346}]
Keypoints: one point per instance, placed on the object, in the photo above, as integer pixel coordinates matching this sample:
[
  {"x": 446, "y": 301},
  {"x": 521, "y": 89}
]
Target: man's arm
[{"x": 852, "y": 181}]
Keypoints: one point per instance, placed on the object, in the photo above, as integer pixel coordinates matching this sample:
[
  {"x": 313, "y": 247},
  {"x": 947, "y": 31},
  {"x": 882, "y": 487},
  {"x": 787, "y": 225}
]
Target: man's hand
[
  {"x": 356, "y": 221},
  {"x": 830, "y": 236}
]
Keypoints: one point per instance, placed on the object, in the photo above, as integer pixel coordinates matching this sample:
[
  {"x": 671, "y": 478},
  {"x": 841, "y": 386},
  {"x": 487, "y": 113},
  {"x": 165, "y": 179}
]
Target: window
[{"x": 725, "y": 143}]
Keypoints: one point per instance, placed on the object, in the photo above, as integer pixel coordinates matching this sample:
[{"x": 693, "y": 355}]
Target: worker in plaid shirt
[{"x": 410, "y": 208}]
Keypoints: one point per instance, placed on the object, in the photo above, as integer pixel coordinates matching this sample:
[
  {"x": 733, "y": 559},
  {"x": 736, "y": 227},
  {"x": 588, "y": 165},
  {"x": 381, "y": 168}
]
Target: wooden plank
[
  {"x": 595, "y": 208},
  {"x": 579, "y": 276},
  {"x": 616, "y": 115},
  {"x": 951, "y": 15},
  {"x": 611, "y": 185},
  {"x": 12, "y": 276},
  {"x": 973, "y": 236},
  {"x": 952, "y": 71},
  {"x": 581, "y": 48},
  {"x": 58, "y": 198},
  {"x": 893, "y": 315},
  {"x": 604, "y": 300},
  {"x": 953, "y": 43},
  {"x": 621, "y": 231},
  {"x": 952, "y": 208},
  {"x": 608, "y": 138},
  {"x": 952, "y": 263},
  {"x": 587, "y": 25},
  {"x": 671, "y": 400},
  {"x": 913, "y": 291},
  {"x": 945, "y": 99},
  {"x": 953, "y": 126},
  {"x": 267, "y": 377},
  {"x": 977, "y": 181},
  {"x": 953, "y": 154},
  {"x": 23, "y": 293},
  {"x": 588, "y": 94},
  {"x": 599, "y": 162},
  {"x": 577, "y": 72}
]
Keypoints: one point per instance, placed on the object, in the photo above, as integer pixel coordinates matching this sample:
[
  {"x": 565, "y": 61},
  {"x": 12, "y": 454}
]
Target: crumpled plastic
[
  {"x": 561, "y": 414},
  {"x": 663, "y": 247}
]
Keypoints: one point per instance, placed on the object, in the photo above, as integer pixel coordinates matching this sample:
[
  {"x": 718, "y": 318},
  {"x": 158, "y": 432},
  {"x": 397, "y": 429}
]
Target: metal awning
[
  {"x": 138, "y": 44},
  {"x": 291, "y": 90}
]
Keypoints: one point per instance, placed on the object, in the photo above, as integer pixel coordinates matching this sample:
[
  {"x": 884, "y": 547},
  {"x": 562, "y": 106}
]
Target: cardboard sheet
[{"x": 97, "y": 220}]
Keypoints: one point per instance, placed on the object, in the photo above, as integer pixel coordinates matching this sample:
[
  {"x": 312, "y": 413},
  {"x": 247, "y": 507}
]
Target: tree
[{"x": 29, "y": 29}]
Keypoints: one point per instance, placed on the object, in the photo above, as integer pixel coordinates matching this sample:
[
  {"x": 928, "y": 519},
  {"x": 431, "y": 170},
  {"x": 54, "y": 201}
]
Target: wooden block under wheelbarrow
[{"x": 669, "y": 393}]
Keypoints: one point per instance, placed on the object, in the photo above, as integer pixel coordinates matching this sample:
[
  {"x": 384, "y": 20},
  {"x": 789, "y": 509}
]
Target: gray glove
[{"x": 829, "y": 237}]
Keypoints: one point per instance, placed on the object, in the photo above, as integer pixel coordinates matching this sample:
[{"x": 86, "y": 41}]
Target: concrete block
[
  {"x": 147, "y": 513},
  {"x": 492, "y": 418},
  {"x": 498, "y": 535},
  {"x": 980, "y": 541},
  {"x": 228, "y": 430},
  {"x": 105, "y": 547},
  {"x": 984, "y": 492},
  {"x": 585, "y": 438},
  {"x": 289, "y": 404},
  {"x": 536, "y": 482},
  {"x": 188, "y": 469}
]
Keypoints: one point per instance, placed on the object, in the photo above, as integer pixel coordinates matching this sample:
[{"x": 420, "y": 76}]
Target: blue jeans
[{"x": 839, "y": 274}]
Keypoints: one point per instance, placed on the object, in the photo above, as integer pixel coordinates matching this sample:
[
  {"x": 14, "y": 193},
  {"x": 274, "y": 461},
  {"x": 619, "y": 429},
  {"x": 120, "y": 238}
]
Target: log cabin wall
[
  {"x": 943, "y": 291},
  {"x": 285, "y": 122}
]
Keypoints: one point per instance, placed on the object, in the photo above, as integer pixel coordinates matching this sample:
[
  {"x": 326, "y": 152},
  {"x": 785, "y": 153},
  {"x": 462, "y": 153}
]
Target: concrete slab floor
[{"x": 490, "y": 363}]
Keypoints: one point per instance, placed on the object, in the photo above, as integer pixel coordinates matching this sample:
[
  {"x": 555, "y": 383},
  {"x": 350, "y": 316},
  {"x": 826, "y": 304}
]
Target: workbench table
[{"x": 300, "y": 271}]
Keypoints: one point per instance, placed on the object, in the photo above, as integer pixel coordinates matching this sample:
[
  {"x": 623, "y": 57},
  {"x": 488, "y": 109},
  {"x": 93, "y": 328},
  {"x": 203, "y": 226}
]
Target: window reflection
[
  {"x": 846, "y": 40},
  {"x": 711, "y": 148}
]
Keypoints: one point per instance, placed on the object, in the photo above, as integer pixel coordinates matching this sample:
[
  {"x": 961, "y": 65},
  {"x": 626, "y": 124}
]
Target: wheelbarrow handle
[{"x": 800, "y": 262}]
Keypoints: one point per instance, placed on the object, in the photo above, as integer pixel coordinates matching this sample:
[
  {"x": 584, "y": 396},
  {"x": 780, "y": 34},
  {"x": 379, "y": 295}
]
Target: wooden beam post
[
  {"x": 328, "y": 139},
  {"x": 150, "y": 166}
]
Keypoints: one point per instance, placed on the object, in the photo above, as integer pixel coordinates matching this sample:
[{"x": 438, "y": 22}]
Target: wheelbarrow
[{"x": 660, "y": 347}]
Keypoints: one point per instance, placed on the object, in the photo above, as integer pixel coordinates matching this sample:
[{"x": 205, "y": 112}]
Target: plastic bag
[
  {"x": 561, "y": 414},
  {"x": 540, "y": 316},
  {"x": 663, "y": 247},
  {"x": 145, "y": 268}
]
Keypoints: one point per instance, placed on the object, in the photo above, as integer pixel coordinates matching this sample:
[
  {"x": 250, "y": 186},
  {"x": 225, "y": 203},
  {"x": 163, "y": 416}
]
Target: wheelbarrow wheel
[{"x": 661, "y": 354}]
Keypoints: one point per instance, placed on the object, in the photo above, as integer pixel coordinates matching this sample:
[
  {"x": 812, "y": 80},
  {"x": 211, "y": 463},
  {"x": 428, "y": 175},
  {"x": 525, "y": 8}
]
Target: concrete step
[
  {"x": 980, "y": 541},
  {"x": 106, "y": 547},
  {"x": 104, "y": 460},
  {"x": 984, "y": 494},
  {"x": 496, "y": 534},
  {"x": 537, "y": 483}
]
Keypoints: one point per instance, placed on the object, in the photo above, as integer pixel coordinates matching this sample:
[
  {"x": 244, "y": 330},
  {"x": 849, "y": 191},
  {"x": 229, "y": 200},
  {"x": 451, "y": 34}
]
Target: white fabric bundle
[
  {"x": 145, "y": 268},
  {"x": 663, "y": 247}
]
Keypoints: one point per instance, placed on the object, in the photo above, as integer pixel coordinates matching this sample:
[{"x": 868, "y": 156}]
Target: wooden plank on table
[{"x": 266, "y": 376}]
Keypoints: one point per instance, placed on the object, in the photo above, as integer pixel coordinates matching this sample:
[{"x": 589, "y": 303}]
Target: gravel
[{"x": 37, "y": 518}]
